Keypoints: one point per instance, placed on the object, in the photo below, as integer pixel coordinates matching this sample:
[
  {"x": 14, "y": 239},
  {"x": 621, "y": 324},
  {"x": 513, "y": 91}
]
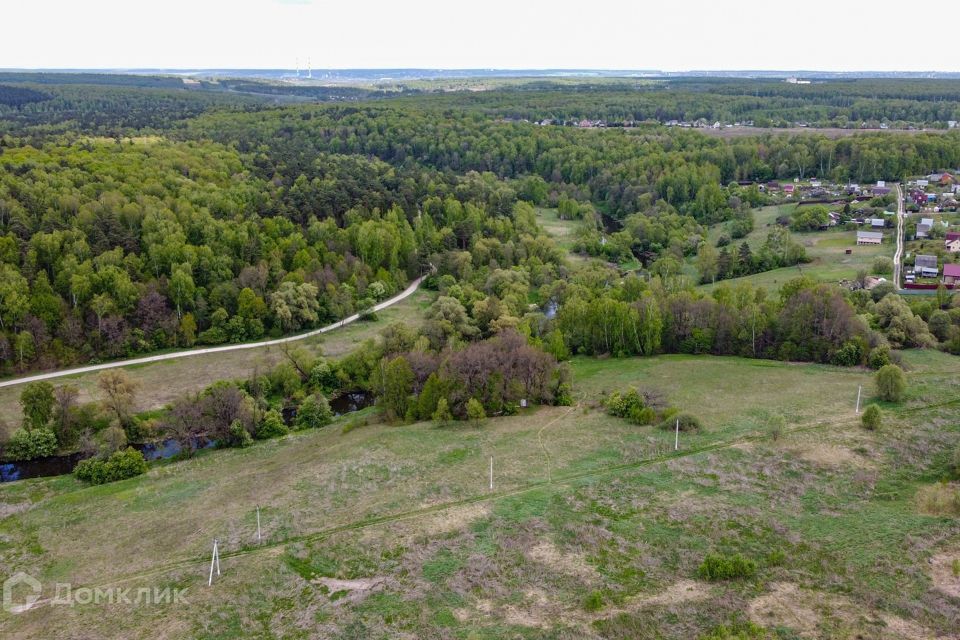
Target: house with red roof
[
  {"x": 951, "y": 274},
  {"x": 952, "y": 241}
]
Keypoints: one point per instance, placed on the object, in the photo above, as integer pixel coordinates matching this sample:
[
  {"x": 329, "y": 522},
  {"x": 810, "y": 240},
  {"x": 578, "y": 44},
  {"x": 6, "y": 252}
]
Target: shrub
[
  {"x": 687, "y": 422},
  {"x": 631, "y": 406},
  {"x": 882, "y": 265},
  {"x": 36, "y": 399},
  {"x": 563, "y": 397},
  {"x": 27, "y": 445},
  {"x": 323, "y": 377},
  {"x": 891, "y": 383},
  {"x": 941, "y": 499},
  {"x": 716, "y": 566},
  {"x": 442, "y": 415},
  {"x": 475, "y": 412},
  {"x": 879, "y": 357},
  {"x": 872, "y": 417},
  {"x": 239, "y": 435},
  {"x": 272, "y": 426},
  {"x": 314, "y": 413},
  {"x": 849, "y": 355},
  {"x": 593, "y": 601},
  {"x": 119, "y": 466}
]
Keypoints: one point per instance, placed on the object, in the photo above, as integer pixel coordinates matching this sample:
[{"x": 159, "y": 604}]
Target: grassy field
[
  {"x": 562, "y": 231},
  {"x": 829, "y": 261},
  {"x": 594, "y": 528},
  {"x": 163, "y": 381}
]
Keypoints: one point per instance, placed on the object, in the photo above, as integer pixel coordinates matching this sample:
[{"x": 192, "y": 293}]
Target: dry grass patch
[
  {"x": 830, "y": 456},
  {"x": 945, "y": 572},
  {"x": 816, "y": 614},
  {"x": 572, "y": 564},
  {"x": 676, "y": 593},
  {"x": 941, "y": 499}
]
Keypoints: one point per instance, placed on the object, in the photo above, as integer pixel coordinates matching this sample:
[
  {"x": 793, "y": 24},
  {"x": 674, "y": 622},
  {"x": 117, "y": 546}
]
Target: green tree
[
  {"x": 14, "y": 296},
  {"x": 314, "y": 412},
  {"x": 442, "y": 415},
  {"x": 891, "y": 383},
  {"x": 119, "y": 391},
  {"x": 182, "y": 287},
  {"x": 272, "y": 426},
  {"x": 295, "y": 305},
  {"x": 707, "y": 262},
  {"x": 396, "y": 386},
  {"x": 475, "y": 412},
  {"x": 36, "y": 401}
]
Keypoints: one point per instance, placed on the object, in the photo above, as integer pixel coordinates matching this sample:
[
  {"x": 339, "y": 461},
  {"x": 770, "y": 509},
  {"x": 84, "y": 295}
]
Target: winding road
[
  {"x": 898, "y": 254},
  {"x": 230, "y": 347}
]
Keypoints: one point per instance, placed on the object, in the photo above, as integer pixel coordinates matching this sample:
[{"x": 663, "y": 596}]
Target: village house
[
  {"x": 952, "y": 242},
  {"x": 788, "y": 189},
  {"x": 923, "y": 228},
  {"x": 951, "y": 274},
  {"x": 926, "y": 266},
  {"x": 869, "y": 237},
  {"x": 878, "y": 223}
]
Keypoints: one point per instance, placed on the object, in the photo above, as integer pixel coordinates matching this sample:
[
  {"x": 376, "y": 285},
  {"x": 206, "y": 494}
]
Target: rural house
[
  {"x": 952, "y": 242},
  {"x": 926, "y": 266},
  {"x": 951, "y": 274},
  {"x": 869, "y": 237}
]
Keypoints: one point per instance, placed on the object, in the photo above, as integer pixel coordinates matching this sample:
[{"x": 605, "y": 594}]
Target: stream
[{"x": 60, "y": 465}]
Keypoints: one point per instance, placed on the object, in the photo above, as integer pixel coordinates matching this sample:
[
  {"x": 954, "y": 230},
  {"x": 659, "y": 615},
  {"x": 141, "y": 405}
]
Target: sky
[{"x": 835, "y": 35}]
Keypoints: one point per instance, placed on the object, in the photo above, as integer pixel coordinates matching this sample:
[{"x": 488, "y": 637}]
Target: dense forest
[{"x": 137, "y": 216}]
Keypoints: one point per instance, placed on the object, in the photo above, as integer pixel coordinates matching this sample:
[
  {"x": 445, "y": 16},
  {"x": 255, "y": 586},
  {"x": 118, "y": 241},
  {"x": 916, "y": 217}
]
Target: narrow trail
[
  {"x": 898, "y": 254},
  {"x": 546, "y": 454},
  {"x": 406, "y": 293},
  {"x": 276, "y": 547}
]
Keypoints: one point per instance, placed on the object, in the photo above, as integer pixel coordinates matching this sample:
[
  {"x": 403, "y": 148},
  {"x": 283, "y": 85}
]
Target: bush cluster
[
  {"x": 687, "y": 422},
  {"x": 27, "y": 445},
  {"x": 119, "y": 466},
  {"x": 717, "y": 566},
  {"x": 632, "y": 406}
]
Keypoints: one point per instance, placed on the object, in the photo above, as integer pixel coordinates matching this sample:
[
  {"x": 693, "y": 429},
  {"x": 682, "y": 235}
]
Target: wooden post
[
  {"x": 258, "y": 523},
  {"x": 859, "y": 389},
  {"x": 676, "y": 439},
  {"x": 214, "y": 559}
]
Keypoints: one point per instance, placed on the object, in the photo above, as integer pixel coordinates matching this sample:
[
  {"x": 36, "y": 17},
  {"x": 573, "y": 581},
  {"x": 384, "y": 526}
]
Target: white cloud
[{"x": 698, "y": 34}]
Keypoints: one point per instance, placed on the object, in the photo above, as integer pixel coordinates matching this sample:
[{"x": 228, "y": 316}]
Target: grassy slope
[
  {"x": 581, "y": 505},
  {"x": 826, "y": 249},
  {"x": 162, "y": 382}
]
